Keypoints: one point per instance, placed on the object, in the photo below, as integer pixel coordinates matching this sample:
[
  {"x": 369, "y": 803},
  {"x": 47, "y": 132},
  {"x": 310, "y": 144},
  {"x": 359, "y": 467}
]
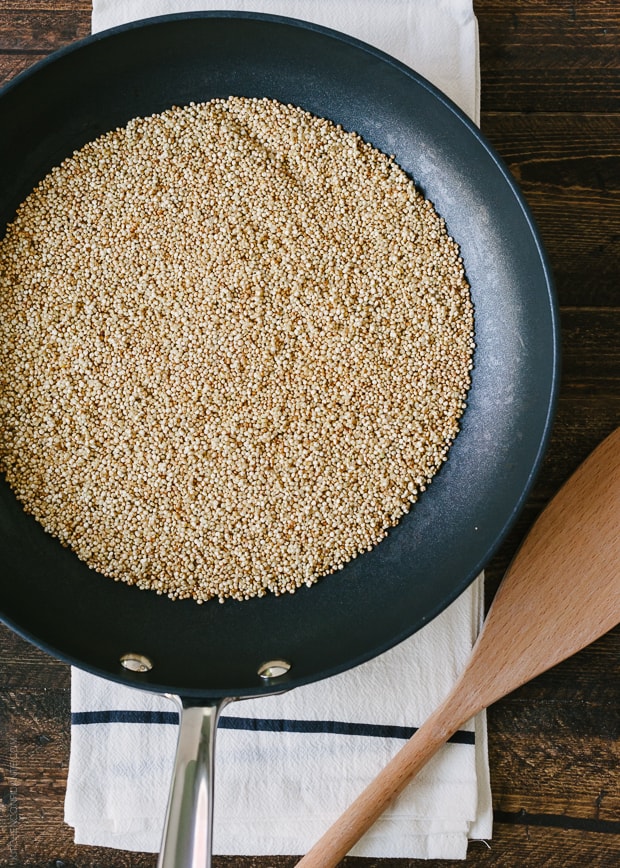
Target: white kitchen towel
[{"x": 288, "y": 765}]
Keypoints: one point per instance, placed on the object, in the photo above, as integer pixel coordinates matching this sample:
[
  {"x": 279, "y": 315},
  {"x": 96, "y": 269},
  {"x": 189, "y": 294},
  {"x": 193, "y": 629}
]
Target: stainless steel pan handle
[{"x": 188, "y": 831}]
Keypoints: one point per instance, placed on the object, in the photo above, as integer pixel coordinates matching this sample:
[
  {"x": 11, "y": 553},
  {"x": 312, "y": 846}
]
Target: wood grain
[
  {"x": 568, "y": 169},
  {"x": 551, "y": 107},
  {"x": 44, "y": 31},
  {"x": 30, "y": 31},
  {"x": 530, "y": 737},
  {"x": 549, "y": 57}
]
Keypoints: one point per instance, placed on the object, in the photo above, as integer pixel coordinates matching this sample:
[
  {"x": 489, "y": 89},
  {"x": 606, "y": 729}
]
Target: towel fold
[{"x": 287, "y": 766}]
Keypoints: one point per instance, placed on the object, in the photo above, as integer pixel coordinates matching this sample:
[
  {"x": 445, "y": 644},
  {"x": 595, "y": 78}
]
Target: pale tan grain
[{"x": 235, "y": 345}]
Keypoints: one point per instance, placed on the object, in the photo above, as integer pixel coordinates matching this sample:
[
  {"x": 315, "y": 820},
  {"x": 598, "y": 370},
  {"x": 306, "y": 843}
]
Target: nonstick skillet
[{"x": 209, "y": 652}]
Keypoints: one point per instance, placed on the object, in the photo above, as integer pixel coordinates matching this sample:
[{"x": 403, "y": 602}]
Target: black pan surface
[{"x": 51, "y": 598}]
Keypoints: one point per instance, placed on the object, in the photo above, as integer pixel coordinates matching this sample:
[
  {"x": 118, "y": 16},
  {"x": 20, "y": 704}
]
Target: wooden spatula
[{"x": 561, "y": 592}]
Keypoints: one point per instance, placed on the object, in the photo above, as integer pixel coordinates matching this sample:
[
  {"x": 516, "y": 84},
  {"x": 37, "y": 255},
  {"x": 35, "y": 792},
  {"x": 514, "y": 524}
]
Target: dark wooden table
[{"x": 551, "y": 106}]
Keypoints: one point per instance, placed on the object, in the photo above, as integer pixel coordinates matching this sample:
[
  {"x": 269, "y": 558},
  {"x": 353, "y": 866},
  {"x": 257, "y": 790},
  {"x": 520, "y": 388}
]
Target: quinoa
[{"x": 235, "y": 346}]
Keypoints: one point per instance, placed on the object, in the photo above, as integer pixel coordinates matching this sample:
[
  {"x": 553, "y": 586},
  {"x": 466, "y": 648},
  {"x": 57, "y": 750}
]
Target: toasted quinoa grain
[{"x": 235, "y": 345}]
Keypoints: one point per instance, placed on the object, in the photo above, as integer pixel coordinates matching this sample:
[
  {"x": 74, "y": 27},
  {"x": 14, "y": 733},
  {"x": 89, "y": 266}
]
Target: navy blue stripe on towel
[
  {"x": 261, "y": 724},
  {"x": 79, "y": 718}
]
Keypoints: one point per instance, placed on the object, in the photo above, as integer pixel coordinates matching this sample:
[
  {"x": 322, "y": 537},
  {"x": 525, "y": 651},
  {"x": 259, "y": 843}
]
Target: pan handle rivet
[
  {"x": 273, "y": 669},
  {"x": 136, "y": 662}
]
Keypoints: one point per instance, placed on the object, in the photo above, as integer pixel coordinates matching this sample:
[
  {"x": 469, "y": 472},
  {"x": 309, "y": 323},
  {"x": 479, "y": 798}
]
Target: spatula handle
[{"x": 372, "y": 802}]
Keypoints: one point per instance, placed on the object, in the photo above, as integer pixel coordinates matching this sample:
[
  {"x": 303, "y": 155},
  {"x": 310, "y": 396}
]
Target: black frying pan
[{"x": 211, "y": 651}]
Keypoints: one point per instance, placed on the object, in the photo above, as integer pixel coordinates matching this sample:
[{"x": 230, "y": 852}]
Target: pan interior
[{"x": 378, "y": 599}]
